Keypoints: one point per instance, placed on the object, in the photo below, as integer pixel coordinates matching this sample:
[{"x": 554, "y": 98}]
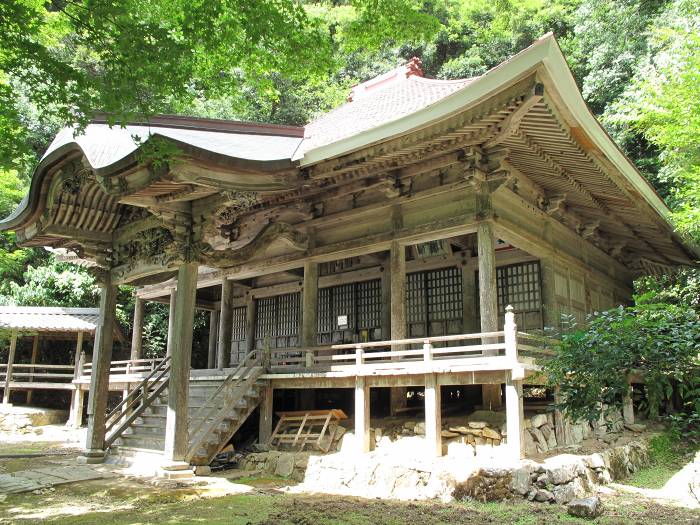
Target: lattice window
[
  {"x": 360, "y": 304},
  {"x": 277, "y": 318},
  {"x": 434, "y": 302},
  {"x": 519, "y": 285},
  {"x": 238, "y": 339}
]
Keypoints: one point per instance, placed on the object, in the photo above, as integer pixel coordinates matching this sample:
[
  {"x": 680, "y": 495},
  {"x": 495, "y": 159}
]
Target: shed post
[
  {"x": 225, "y": 324},
  {"x": 137, "y": 334},
  {"x": 178, "y": 387},
  {"x": 35, "y": 355},
  {"x": 99, "y": 376},
  {"x": 491, "y": 394},
  {"x": 76, "y": 409},
  {"x": 76, "y": 374},
  {"x": 8, "y": 371}
]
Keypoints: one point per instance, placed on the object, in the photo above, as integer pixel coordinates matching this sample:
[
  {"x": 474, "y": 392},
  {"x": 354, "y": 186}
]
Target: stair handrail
[
  {"x": 137, "y": 393},
  {"x": 211, "y": 405}
]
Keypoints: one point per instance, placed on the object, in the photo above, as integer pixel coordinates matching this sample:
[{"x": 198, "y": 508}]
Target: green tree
[{"x": 663, "y": 104}]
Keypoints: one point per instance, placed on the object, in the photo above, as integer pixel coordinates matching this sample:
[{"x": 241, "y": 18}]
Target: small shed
[{"x": 54, "y": 323}]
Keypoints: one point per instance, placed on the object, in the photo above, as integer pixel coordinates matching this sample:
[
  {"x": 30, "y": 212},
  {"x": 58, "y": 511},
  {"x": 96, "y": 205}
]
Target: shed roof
[{"x": 48, "y": 319}]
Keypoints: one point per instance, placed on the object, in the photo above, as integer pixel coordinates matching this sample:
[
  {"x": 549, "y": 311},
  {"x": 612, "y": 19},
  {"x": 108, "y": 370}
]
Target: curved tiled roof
[
  {"x": 379, "y": 106},
  {"x": 104, "y": 145},
  {"x": 49, "y": 319}
]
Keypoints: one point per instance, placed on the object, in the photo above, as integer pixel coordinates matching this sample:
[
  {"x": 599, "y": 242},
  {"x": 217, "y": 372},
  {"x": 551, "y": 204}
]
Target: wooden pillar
[
  {"x": 309, "y": 304},
  {"x": 35, "y": 355},
  {"x": 309, "y": 318},
  {"x": 99, "y": 376},
  {"x": 178, "y": 386},
  {"x": 137, "y": 334},
  {"x": 386, "y": 300},
  {"x": 514, "y": 417},
  {"x": 469, "y": 312},
  {"x": 213, "y": 338},
  {"x": 249, "y": 322},
  {"x": 225, "y": 324},
  {"x": 488, "y": 302},
  {"x": 76, "y": 374},
  {"x": 265, "y": 423},
  {"x": 362, "y": 414},
  {"x": 550, "y": 308},
  {"x": 397, "y": 270},
  {"x": 171, "y": 321},
  {"x": 8, "y": 371},
  {"x": 433, "y": 416}
]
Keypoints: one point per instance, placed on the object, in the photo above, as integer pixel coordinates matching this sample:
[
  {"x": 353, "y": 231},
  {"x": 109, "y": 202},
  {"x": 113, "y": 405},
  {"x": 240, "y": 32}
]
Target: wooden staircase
[{"x": 217, "y": 409}]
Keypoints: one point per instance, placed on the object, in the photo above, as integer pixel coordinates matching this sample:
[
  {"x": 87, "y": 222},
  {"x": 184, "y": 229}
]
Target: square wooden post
[
  {"x": 179, "y": 383},
  {"x": 488, "y": 301},
  {"x": 362, "y": 414},
  {"x": 171, "y": 321},
  {"x": 433, "y": 416},
  {"x": 397, "y": 271},
  {"x": 8, "y": 371},
  {"x": 137, "y": 333},
  {"x": 265, "y": 423},
  {"x": 225, "y": 324},
  {"x": 213, "y": 338},
  {"x": 99, "y": 375},
  {"x": 35, "y": 355},
  {"x": 514, "y": 417}
]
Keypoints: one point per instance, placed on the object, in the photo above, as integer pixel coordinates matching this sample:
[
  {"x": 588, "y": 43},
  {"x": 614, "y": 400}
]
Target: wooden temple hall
[{"x": 413, "y": 238}]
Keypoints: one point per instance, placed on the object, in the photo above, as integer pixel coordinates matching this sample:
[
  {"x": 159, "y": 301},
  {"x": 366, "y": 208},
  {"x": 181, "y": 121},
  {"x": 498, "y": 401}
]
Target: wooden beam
[
  {"x": 309, "y": 304},
  {"x": 266, "y": 413}
]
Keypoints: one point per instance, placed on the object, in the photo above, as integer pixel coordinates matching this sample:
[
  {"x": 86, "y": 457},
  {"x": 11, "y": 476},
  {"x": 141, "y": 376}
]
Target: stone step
[{"x": 140, "y": 441}]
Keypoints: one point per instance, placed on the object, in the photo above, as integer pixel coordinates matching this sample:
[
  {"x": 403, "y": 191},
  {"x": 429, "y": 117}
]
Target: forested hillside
[{"x": 637, "y": 63}]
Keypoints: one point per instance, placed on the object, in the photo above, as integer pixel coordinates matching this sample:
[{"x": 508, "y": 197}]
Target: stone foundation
[
  {"x": 23, "y": 419},
  {"x": 278, "y": 463},
  {"x": 403, "y": 471}
]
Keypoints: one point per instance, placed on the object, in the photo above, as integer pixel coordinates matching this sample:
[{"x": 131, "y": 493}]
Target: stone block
[
  {"x": 585, "y": 507},
  {"x": 285, "y": 465},
  {"x": 490, "y": 433},
  {"x": 476, "y": 424}
]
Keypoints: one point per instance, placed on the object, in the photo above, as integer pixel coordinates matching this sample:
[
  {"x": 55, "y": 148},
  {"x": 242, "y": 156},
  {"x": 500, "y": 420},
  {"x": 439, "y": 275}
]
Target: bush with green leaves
[{"x": 660, "y": 342}]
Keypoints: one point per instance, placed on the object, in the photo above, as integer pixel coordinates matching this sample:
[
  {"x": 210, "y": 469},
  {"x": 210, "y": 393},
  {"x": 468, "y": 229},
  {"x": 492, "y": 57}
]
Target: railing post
[
  {"x": 427, "y": 351},
  {"x": 510, "y": 333},
  {"x": 309, "y": 358},
  {"x": 359, "y": 356},
  {"x": 266, "y": 359}
]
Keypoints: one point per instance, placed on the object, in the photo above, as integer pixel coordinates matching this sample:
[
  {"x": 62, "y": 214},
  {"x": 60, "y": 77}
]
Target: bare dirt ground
[{"x": 123, "y": 500}]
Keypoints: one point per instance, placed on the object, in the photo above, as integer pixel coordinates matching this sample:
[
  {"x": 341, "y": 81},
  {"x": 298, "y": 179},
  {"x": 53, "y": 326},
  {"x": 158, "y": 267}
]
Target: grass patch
[
  {"x": 264, "y": 481},
  {"x": 667, "y": 456}
]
